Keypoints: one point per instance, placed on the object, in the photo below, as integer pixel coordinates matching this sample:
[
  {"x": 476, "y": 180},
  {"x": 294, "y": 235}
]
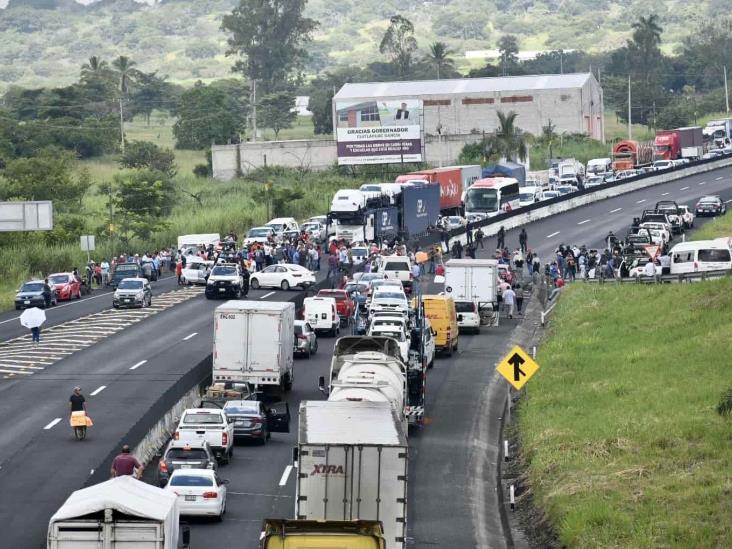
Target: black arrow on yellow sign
[{"x": 516, "y": 361}]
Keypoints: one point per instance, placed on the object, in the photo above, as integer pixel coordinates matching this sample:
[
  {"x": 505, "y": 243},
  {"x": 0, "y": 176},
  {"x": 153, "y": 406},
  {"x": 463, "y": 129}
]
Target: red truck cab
[
  {"x": 345, "y": 306},
  {"x": 667, "y": 145}
]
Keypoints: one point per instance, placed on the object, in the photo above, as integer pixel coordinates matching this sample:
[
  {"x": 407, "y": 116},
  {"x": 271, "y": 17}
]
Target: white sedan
[
  {"x": 200, "y": 492},
  {"x": 284, "y": 276}
]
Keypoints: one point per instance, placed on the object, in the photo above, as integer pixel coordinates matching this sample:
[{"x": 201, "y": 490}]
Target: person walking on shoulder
[{"x": 125, "y": 464}]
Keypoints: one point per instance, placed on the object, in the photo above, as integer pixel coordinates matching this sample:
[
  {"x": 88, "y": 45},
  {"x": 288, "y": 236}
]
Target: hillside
[{"x": 44, "y": 42}]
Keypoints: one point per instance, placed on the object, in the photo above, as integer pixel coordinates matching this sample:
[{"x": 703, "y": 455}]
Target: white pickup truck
[{"x": 211, "y": 425}]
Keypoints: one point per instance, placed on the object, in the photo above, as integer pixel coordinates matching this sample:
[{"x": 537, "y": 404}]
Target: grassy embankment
[
  {"x": 621, "y": 441},
  {"x": 717, "y": 227},
  {"x": 225, "y": 206}
]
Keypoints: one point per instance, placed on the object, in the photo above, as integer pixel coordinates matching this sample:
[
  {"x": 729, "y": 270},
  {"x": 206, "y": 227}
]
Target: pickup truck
[
  {"x": 211, "y": 425},
  {"x": 345, "y": 306}
]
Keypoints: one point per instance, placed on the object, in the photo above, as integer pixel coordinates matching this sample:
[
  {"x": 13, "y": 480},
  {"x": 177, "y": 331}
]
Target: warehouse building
[{"x": 572, "y": 102}]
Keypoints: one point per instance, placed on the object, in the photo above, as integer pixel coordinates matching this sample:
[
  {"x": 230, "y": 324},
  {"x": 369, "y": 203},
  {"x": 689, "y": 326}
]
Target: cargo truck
[
  {"x": 253, "y": 342},
  {"x": 352, "y": 465},
  {"x": 679, "y": 143},
  {"x": 719, "y": 132},
  {"x": 419, "y": 209},
  {"x": 505, "y": 169},
  {"x": 630, "y": 155},
  {"x": 334, "y": 534},
  {"x": 450, "y": 181},
  {"x": 120, "y": 513},
  {"x": 475, "y": 281}
]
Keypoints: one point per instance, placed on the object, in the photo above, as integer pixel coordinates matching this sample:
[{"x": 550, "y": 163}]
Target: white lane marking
[
  {"x": 285, "y": 475},
  {"x": 615, "y": 210},
  {"x": 98, "y": 390},
  {"x": 553, "y": 234},
  {"x": 136, "y": 366},
  {"x": 65, "y": 305},
  {"x": 719, "y": 178},
  {"x": 683, "y": 188},
  {"x": 664, "y": 194},
  {"x": 267, "y": 295},
  {"x": 189, "y": 336},
  {"x": 229, "y": 493},
  {"x": 583, "y": 222},
  {"x": 703, "y": 183},
  {"x": 52, "y": 424},
  {"x": 641, "y": 201}
]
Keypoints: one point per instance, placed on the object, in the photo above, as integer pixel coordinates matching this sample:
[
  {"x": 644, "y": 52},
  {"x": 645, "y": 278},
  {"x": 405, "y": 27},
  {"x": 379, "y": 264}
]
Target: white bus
[
  {"x": 700, "y": 256},
  {"x": 490, "y": 196}
]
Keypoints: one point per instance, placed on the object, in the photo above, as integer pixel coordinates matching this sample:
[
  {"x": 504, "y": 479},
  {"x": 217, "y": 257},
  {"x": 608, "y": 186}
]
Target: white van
[
  {"x": 700, "y": 256},
  {"x": 281, "y": 225},
  {"x": 321, "y": 314},
  {"x": 395, "y": 266},
  {"x": 348, "y": 200},
  {"x": 196, "y": 270},
  {"x": 599, "y": 166}
]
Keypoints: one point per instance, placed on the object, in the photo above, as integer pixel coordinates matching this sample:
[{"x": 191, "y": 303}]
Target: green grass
[
  {"x": 717, "y": 227},
  {"x": 620, "y": 438},
  {"x": 616, "y": 130}
]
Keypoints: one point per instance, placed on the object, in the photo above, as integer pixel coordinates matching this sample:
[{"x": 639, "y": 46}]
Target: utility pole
[
  {"x": 121, "y": 125},
  {"x": 630, "y": 113},
  {"x": 726, "y": 90},
  {"x": 254, "y": 110},
  {"x": 111, "y": 220},
  {"x": 561, "y": 61}
]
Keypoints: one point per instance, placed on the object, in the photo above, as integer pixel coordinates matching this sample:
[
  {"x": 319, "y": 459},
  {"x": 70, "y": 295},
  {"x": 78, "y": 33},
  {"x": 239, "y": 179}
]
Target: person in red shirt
[{"x": 126, "y": 464}]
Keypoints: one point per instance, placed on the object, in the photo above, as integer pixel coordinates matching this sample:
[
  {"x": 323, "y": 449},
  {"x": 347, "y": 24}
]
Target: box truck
[
  {"x": 189, "y": 244},
  {"x": 352, "y": 465},
  {"x": 253, "y": 342},
  {"x": 420, "y": 209},
  {"x": 450, "y": 181},
  {"x": 476, "y": 281},
  {"x": 679, "y": 143},
  {"x": 118, "y": 514}
]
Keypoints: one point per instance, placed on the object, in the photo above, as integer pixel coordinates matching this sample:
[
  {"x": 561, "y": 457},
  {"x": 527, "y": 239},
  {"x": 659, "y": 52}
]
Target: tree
[
  {"x": 142, "y": 199},
  {"x": 143, "y": 154},
  {"x": 399, "y": 43},
  {"x": 277, "y": 111},
  {"x": 152, "y": 92},
  {"x": 439, "y": 58},
  {"x": 508, "y": 50},
  {"x": 214, "y": 113},
  {"x": 95, "y": 67},
  {"x": 509, "y": 141},
  {"x": 706, "y": 53},
  {"x": 269, "y": 36},
  {"x": 126, "y": 73}
]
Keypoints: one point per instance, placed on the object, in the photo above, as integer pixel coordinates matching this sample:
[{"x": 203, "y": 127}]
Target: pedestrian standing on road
[
  {"x": 523, "y": 239},
  {"x": 125, "y": 464},
  {"x": 479, "y": 235},
  {"x": 509, "y": 299},
  {"x": 77, "y": 402},
  {"x": 519, "y": 297},
  {"x": 469, "y": 233},
  {"x": 36, "y": 334},
  {"x": 501, "y": 236},
  {"x": 179, "y": 271}
]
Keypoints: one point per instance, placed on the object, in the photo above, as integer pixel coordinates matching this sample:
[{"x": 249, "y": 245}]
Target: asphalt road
[{"x": 41, "y": 463}]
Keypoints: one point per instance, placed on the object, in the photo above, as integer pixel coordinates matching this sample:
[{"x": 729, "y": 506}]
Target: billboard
[
  {"x": 26, "y": 216},
  {"x": 379, "y": 132}
]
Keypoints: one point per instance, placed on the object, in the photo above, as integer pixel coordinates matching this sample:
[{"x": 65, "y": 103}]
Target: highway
[{"x": 41, "y": 463}]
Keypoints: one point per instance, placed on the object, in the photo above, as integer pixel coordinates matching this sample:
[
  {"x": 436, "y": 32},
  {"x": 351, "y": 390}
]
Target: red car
[
  {"x": 345, "y": 306},
  {"x": 66, "y": 285}
]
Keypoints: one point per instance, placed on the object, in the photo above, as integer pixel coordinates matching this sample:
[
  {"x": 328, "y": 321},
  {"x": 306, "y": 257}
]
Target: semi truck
[
  {"x": 505, "y": 169},
  {"x": 719, "y": 132},
  {"x": 344, "y": 534},
  {"x": 476, "y": 281},
  {"x": 629, "y": 155},
  {"x": 679, "y": 143},
  {"x": 451, "y": 183},
  {"x": 352, "y": 465},
  {"x": 253, "y": 342},
  {"x": 118, "y": 514}
]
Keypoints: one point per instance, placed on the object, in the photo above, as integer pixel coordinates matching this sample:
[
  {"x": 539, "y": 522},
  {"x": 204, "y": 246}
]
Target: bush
[
  {"x": 143, "y": 154},
  {"x": 201, "y": 170}
]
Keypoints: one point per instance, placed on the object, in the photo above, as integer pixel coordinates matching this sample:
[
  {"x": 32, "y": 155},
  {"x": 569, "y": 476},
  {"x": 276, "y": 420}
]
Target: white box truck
[
  {"x": 189, "y": 243},
  {"x": 476, "y": 281},
  {"x": 118, "y": 514},
  {"x": 352, "y": 465},
  {"x": 253, "y": 342}
]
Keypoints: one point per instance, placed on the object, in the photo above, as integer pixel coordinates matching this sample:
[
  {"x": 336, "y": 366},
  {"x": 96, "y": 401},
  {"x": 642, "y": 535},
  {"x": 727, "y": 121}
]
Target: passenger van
[
  {"x": 700, "y": 256},
  {"x": 322, "y": 315},
  {"x": 441, "y": 311}
]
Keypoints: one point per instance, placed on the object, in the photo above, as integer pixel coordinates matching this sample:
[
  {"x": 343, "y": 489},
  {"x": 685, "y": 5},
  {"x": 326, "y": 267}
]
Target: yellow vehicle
[
  {"x": 440, "y": 309},
  {"x": 325, "y": 534}
]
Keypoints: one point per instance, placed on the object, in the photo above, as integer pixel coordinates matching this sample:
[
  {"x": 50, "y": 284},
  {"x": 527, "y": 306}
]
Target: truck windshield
[{"x": 481, "y": 200}]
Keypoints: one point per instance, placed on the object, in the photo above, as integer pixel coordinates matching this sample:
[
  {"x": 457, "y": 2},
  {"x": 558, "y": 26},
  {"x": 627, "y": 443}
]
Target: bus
[{"x": 490, "y": 196}]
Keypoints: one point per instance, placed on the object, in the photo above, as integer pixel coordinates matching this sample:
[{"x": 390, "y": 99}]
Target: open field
[{"x": 620, "y": 437}]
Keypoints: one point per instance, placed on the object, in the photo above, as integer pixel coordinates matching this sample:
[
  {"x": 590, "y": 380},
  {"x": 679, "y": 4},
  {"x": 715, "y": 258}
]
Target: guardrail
[{"x": 663, "y": 279}]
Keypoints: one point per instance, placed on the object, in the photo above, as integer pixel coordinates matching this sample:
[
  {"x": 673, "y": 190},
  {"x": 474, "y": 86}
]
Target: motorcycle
[{"x": 79, "y": 422}]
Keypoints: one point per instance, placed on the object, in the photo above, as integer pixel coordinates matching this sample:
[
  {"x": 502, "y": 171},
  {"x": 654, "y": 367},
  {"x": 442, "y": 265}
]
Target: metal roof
[
  {"x": 462, "y": 86},
  {"x": 328, "y": 422}
]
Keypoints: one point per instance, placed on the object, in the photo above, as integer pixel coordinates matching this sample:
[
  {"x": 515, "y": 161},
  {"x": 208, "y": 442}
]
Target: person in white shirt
[
  {"x": 509, "y": 298},
  {"x": 650, "y": 269},
  {"x": 665, "y": 261}
]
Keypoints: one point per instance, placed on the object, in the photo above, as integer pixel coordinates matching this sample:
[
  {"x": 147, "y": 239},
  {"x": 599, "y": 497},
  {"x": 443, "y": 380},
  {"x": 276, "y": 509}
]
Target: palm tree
[
  {"x": 95, "y": 65},
  {"x": 647, "y": 32},
  {"x": 126, "y": 72},
  {"x": 439, "y": 56},
  {"x": 509, "y": 141}
]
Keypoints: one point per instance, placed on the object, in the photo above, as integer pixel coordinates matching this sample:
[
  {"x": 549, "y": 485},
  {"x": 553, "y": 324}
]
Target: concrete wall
[{"x": 314, "y": 154}]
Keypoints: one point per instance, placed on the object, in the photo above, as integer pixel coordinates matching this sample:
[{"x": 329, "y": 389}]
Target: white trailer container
[
  {"x": 117, "y": 514},
  {"x": 353, "y": 465},
  {"x": 191, "y": 242},
  {"x": 253, "y": 342},
  {"x": 473, "y": 280}
]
